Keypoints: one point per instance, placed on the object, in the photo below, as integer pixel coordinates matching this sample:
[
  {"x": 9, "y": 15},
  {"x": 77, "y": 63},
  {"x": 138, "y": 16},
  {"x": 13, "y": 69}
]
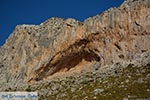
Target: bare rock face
[{"x": 35, "y": 52}]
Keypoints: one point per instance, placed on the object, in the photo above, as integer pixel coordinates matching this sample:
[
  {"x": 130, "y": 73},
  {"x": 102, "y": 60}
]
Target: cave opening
[{"x": 67, "y": 62}]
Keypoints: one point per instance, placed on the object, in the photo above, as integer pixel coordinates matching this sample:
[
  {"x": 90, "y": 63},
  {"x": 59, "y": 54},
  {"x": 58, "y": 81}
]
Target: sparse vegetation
[{"x": 131, "y": 83}]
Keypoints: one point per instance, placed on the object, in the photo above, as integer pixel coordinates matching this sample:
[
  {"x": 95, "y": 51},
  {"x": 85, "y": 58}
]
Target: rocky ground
[
  {"x": 122, "y": 85},
  {"x": 111, "y": 82},
  {"x": 131, "y": 83}
]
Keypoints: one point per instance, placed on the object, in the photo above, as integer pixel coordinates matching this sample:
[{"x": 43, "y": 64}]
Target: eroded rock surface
[{"x": 35, "y": 52}]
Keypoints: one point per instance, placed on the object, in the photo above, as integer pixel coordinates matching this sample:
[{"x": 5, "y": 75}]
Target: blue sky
[{"x": 14, "y": 12}]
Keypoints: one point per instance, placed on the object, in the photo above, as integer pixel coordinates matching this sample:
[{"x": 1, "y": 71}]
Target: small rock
[
  {"x": 54, "y": 87},
  {"x": 98, "y": 91},
  {"x": 125, "y": 99},
  {"x": 72, "y": 22},
  {"x": 140, "y": 80},
  {"x": 127, "y": 80},
  {"x": 73, "y": 89},
  {"x": 95, "y": 97}
]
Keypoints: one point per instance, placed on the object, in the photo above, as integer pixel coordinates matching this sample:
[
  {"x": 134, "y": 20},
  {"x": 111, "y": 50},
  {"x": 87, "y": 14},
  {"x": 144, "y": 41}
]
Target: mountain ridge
[{"x": 119, "y": 36}]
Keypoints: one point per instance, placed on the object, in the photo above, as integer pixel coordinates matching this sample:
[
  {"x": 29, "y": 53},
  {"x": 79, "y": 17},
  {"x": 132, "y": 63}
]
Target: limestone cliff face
[{"x": 35, "y": 52}]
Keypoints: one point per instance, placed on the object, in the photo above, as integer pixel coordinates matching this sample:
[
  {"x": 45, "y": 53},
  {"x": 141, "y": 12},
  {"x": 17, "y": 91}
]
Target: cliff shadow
[{"x": 68, "y": 62}]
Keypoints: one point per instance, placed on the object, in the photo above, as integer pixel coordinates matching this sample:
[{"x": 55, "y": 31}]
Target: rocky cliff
[{"x": 120, "y": 35}]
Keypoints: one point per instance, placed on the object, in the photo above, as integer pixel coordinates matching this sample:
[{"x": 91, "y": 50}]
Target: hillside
[{"x": 105, "y": 57}]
